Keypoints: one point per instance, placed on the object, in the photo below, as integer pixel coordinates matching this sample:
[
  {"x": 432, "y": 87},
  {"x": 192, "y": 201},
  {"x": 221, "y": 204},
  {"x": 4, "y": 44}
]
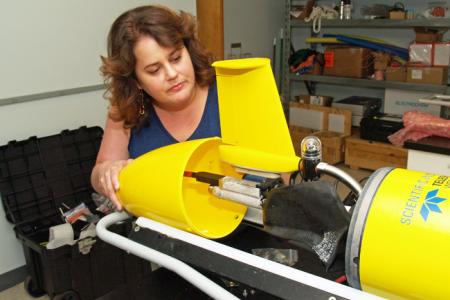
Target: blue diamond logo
[{"x": 431, "y": 204}]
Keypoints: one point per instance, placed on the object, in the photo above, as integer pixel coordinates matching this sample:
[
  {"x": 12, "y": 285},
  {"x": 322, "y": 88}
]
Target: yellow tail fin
[{"x": 251, "y": 114}]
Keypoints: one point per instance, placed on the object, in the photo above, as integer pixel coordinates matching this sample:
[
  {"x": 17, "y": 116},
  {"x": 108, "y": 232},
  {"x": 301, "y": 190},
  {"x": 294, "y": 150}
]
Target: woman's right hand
[{"x": 106, "y": 179}]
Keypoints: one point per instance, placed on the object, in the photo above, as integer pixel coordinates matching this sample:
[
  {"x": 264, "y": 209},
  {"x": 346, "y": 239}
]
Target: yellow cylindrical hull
[
  {"x": 399, "y": 238},
  {"x": 154, "y": 186}
]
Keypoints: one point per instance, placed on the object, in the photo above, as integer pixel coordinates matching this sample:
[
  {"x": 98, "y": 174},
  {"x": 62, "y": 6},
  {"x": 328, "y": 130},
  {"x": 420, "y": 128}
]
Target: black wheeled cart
[{"x": 39, "y": 179}]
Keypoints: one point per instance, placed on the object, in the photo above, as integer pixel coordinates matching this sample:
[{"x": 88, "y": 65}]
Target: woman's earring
[{"x": 142, "y": 108}]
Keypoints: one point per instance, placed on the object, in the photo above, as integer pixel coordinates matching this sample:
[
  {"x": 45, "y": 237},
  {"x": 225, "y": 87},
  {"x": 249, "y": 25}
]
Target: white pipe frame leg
[{"x": 193, "y": 276}]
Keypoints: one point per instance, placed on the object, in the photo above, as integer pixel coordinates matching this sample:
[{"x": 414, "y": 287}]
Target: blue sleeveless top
[{"x": 155, "y": 135}]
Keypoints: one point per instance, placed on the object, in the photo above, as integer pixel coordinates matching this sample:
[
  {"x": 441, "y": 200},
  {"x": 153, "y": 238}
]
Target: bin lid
[{"x": 39, "y": 177}]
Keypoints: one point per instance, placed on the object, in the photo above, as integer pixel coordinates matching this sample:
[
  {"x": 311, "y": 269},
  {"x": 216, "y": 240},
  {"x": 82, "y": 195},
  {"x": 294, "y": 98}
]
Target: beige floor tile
[{"x": 18, "y": 292}]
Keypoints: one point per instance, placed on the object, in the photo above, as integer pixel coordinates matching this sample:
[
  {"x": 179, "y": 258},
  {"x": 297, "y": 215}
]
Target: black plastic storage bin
[{"x": 38, "y": 177}]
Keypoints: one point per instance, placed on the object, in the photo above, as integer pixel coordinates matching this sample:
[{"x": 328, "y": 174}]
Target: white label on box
[
  {"x": 421, "y": 53},
  {"x": 442, "y": 54},
  {"x": 416, "y": 74},
  {"x": 305, "y": 118},
  {"x": 336, "y": 123},
  {"x": 317, "y": 100}
]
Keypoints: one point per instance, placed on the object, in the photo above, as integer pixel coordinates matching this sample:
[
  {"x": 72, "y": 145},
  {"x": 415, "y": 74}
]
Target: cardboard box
[
  {"x": 400, "y": 101},
  {"x": 333, "y": 143},
  {"x": 348, "y": 62},
  {"x": 320, "y": 118},
  {"x": 427, "y": 75},
  {"x": 333, "y": 146},
  {"x": 396, "y": 74},
  {"x": 397, "y": 15},
  {"x": 297, "y": 135},
  {"x": 373, "y": 155},
  {"x": 314, "y": 99},
  {"x": 334, "y": 126},
  {"x": 428, "y": 35},
  {"x": 381, "y": 60}
]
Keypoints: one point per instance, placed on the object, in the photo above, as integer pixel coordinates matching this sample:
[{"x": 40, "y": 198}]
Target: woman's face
[{"x": 166, "y": 74}]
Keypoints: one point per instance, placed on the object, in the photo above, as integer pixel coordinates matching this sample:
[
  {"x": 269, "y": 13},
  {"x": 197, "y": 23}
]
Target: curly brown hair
[{"x": 169, "y": 29}]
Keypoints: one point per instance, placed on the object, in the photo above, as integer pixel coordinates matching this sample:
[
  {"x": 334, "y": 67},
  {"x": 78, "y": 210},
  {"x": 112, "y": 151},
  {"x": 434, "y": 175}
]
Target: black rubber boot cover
[{"x": 310, "y": 215}]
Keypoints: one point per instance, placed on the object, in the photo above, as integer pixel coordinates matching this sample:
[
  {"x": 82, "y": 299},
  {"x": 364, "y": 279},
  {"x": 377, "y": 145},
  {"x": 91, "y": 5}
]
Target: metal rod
[
  {"x": 51, "y": 94},
  {"x": 341, "y": 175},
  {"x": 236, "y": 197}
]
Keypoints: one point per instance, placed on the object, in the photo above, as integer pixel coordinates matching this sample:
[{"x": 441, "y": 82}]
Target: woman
[{"x": 161, "y": 89}]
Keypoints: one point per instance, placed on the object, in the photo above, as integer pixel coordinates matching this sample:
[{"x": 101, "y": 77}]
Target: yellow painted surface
[
  {"x": 251, "y": 113},
  {"x": 154, "y": 186},
  {"x": 258, "y": 160},
  {"x": 405, "y": 254}
]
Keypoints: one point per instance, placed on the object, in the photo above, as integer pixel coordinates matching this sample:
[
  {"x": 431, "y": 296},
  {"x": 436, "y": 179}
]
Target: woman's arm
[{"x": 112, "y": 157}]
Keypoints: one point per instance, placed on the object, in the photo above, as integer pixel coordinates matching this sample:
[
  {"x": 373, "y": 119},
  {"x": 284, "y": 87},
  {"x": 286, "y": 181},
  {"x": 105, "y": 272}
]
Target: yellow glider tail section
[
  {"x": 255, "y": 136},
  {"x": 252, "y": 117}
]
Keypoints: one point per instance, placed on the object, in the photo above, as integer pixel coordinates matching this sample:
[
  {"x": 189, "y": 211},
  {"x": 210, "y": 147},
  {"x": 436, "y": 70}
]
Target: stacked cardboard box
[
  {"x": 330, "y": 125},
  {"x": 429, "y": 58},
  {"x": 427, "y": 75},
  {"x": 348, "y": 61}
]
